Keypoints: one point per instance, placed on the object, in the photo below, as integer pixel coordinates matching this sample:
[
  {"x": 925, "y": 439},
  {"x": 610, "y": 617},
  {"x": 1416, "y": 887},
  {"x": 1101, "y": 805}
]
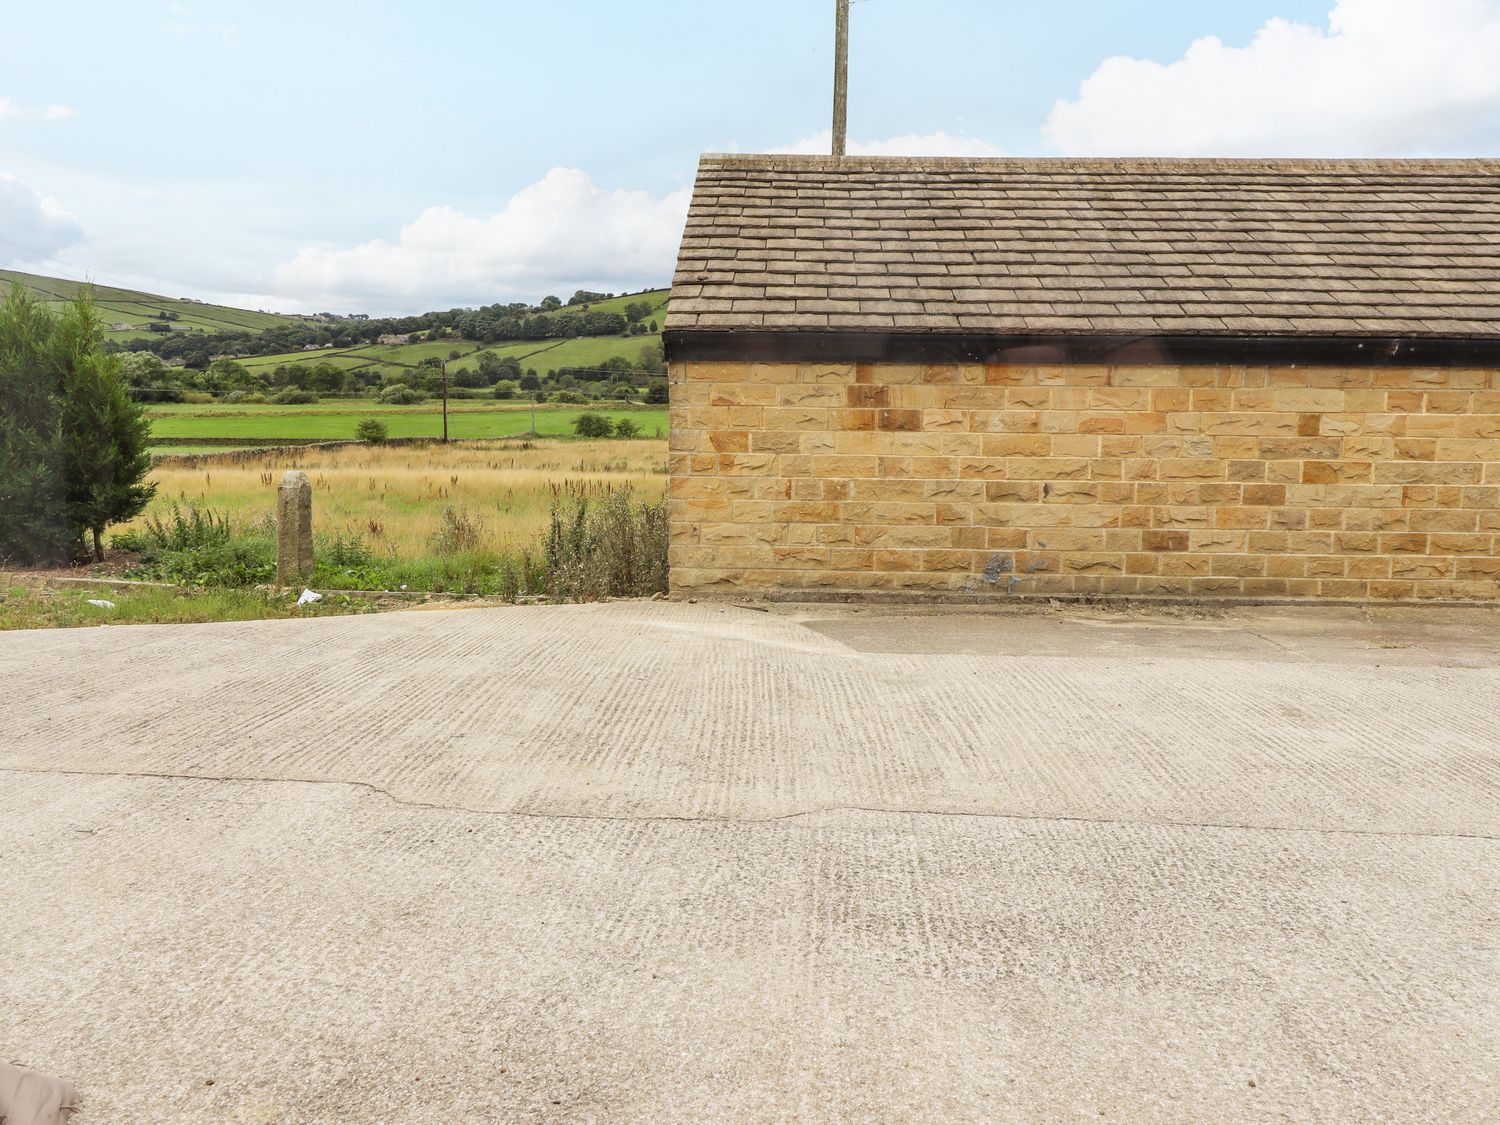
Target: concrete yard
[{"x": 646, "y": 862}]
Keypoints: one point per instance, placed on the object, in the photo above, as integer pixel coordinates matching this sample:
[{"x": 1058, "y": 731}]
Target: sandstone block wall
[{"x": 1206, "y": 481}]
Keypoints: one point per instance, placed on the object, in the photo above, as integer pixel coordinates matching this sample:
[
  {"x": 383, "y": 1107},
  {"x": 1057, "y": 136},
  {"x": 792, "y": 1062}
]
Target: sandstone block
[{"x": 294, "y": 543}]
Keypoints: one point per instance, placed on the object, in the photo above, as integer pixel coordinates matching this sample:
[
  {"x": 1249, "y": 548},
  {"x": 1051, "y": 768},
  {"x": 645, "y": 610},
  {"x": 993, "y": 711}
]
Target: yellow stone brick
[
  {"x": 836, "y": 374},
  {"x": 795, "y": 418},
  {"x": 1188, "y": 468},
  {"x": 742, "y": 394},
  {"x": 1047, "y": 468},
  {"x": 941, "y": 420},
  {"x": 804, "y": 395},
  {"x": 775, "y": 441}
]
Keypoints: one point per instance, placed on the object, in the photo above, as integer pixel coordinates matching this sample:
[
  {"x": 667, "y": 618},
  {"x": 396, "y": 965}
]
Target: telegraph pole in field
[
  {"x": 445, "y": 402},
  {"x": 841, "y": 79}
]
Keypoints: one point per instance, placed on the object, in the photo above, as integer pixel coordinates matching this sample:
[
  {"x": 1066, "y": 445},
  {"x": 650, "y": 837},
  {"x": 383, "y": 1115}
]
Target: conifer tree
[
  {"x": 106, "y": 438},
  {"x": 34, "y": 522}
]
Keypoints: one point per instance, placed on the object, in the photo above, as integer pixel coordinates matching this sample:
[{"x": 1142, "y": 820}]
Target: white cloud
[
  {"x": 34, "y": 226},
  {"x": 562, "y": 232},
  {"x": 12, "y": 110},
  {"x": 1386, "y": 77},
  {"x": 928, "y": 144}
]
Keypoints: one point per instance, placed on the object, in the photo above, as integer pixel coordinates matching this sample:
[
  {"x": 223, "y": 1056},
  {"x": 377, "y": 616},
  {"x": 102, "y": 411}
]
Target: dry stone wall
[{"x": 1307, "y": 482}]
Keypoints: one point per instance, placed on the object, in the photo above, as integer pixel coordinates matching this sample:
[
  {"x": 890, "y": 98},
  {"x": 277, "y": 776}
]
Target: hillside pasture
[
  {"x": 656, "y": 298},
  {"x": 543, "y": 355},
  {"x": 132, "y": 306},
  {"x": 585, "y": 351}
]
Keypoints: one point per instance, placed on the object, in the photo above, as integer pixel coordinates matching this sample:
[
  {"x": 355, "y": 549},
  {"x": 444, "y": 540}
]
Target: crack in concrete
[{"x": 751, "y": 821}]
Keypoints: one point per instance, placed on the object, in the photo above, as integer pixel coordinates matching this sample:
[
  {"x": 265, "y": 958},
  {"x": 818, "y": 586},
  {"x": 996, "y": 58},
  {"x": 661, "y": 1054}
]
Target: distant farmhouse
[
  {"x": 122, "y": 326},
  {"x": 393, "y": 339},
  {"x": 1257, "y": 379}
]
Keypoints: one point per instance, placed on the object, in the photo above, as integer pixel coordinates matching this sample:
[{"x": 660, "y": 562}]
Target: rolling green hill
[
  {"x": 543, "y": 355},
  {"x": 128, "y": 306}
]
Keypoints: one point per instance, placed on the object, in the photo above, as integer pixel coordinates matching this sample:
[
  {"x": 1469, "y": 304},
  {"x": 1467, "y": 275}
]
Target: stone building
[{"x": 1206, "y": 378}]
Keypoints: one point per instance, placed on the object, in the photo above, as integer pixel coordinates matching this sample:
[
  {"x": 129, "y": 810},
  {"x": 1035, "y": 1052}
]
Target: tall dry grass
[{"x": 402, "y": 500}]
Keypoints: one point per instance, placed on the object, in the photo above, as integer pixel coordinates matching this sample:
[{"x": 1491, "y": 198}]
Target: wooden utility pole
[
  {"x": 445, "y": 403},
  {"x": 841, "y": 79}
]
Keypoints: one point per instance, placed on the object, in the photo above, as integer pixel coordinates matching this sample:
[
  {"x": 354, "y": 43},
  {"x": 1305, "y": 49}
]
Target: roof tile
[{"x": 1322, "y": 247}]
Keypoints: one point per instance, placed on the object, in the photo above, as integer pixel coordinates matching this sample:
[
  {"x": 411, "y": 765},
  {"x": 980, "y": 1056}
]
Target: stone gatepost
[{"x": 294, "y": 548}]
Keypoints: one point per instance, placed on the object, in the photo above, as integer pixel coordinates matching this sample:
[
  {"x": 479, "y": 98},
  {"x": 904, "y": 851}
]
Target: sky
[{"x": 388, "y": 157}]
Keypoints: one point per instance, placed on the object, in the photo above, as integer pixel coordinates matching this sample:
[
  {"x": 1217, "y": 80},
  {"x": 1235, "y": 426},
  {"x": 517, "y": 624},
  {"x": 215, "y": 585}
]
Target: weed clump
[
  {"x": 614, "y": 547},
  {"x": 459, "y": 534}
]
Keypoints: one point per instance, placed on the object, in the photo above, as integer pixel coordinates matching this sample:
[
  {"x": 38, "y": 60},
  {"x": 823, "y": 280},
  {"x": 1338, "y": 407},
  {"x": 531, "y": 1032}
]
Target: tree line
[
  {"x": 550, "y": 320},
  {"x": 150, "y": 379}
]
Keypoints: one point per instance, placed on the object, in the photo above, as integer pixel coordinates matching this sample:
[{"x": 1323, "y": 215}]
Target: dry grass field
[{"x": 395, "y": 498}]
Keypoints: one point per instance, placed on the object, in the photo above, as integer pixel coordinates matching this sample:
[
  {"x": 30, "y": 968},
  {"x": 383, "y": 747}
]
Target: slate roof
[{"x": 1143, "y": 247}]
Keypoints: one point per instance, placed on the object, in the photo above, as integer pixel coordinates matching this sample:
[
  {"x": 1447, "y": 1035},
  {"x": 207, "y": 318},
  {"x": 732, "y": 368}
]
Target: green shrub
[
  {"x": 505, "y": 388},
  {"x": 240, "y": 562},
  {"x": 293, "y": 397},
  {"x": 198, "y": 398},
  {"x": 399, "y": 394},
  {"x": 157, "y": 394},
  {"x": 568, "y": 398},
  {"x": 372, "y": 430},
  {"x": 626, "y": 428},
  {"x": 198, "y": 547},
  {"x": 128, "y": 540},
  {"x": 184, "y": 530},
  {"x": 591, "y": 425},
  {"x": 349, "y": 551}
]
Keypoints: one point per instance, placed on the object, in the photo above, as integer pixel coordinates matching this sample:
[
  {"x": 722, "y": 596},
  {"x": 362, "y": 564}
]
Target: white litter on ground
[
  {"x": 308, "y": 598},
  {"x": 100, "y": 603}
]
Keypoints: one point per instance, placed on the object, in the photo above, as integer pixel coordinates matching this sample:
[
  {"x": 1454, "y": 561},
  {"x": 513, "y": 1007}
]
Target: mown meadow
[{"x": 174, "y": 425}]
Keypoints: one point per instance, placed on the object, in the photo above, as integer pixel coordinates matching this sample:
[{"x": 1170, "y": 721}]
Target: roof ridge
[{"x": 1303, "y": 165}]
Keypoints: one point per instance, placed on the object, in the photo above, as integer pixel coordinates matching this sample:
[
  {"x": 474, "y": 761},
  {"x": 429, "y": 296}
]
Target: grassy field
[
  {"x": 585, "y": 351},
  {"x": 133, "y": 307},
  {"x": 181, "y": 424},
  {"x": 396, "y": 498},
  {"x": 657, "y": 298}
]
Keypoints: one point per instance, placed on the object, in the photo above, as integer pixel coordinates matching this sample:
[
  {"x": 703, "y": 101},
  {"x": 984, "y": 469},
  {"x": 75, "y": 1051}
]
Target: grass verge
[{"x": 27, "y": 606}]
